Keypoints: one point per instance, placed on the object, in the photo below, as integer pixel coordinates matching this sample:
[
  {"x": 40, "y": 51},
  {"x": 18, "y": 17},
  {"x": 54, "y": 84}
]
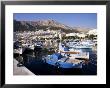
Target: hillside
[{"x": 45, "y": 25}]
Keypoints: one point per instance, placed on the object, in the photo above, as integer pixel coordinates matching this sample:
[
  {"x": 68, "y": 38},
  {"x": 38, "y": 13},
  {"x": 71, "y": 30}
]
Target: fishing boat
[
  {"x": 38, "y": 47},
  {"x": 30, "y": 47},
  {"x": 66, "y": 58},
  {"x": 18, "y": 49}
]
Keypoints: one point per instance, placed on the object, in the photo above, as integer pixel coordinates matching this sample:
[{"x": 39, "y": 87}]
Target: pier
[{"x": 20, "y": 70}]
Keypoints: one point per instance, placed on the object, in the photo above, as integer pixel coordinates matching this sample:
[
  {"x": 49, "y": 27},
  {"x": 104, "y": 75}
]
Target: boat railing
[{"x": 83, "y": 55}]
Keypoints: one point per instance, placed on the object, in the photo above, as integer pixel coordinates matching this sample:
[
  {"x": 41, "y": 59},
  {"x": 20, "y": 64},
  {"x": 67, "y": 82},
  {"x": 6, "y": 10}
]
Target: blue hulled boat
[{"x": 66, "y": 58}]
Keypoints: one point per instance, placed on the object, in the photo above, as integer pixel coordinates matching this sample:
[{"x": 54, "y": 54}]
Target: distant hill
[{"x": 45, "y": 25}]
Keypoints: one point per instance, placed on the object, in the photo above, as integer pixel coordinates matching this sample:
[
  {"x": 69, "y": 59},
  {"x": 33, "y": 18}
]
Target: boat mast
[{"x": 60, "y": 36}]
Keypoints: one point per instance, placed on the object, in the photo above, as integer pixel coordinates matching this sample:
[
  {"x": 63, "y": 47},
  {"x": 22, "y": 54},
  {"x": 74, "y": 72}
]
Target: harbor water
[{"x": 34, "y": 62}]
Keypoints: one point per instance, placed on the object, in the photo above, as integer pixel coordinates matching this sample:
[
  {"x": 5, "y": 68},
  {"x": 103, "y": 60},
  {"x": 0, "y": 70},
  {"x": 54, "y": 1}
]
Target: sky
[{"x": 87, "y": 20}]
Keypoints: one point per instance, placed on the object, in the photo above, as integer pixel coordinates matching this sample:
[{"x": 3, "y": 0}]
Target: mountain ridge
[{"x": 45, "y": 24}]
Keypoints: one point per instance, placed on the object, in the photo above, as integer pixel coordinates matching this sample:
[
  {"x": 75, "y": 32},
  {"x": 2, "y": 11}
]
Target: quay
[{"x": 20, "y": 70}]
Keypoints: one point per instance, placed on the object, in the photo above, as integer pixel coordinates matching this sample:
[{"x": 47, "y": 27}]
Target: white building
[
  {"x": 81, "y": 35},
  {"x": 76, "y": 34},
  {"x": 71, "y": 34},
  {"x": 92, "y": 32}
]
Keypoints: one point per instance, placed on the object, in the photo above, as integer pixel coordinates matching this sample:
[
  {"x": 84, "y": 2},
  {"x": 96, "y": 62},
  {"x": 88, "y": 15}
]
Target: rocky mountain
[
  {"x": 82, "y": 29},
  {"x": 45, "y": 25}
]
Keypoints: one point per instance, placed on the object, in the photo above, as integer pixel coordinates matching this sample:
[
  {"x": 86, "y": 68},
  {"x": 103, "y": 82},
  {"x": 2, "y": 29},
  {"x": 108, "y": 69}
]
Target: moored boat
[{"x": 66, "y": 58}]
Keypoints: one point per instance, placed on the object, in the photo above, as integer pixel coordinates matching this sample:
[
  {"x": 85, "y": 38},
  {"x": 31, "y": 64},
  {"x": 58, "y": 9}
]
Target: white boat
[
  {"x": 87, "y": 44},
  {"x": 28, "y": 46},
  {"x": 82, "y": 46},
  {"x": 18, "y": 50},
  {"x": 31, "y": 47},
  {"x": 76, "y": 52}
]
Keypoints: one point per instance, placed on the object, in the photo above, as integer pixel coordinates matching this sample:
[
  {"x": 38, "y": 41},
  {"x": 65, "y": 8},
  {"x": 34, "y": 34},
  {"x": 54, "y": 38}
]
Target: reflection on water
[{"x": 33, "y": 61}]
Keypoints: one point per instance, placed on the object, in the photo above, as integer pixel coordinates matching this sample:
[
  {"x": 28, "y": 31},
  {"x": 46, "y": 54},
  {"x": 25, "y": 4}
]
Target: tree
[{"x": 92, "y": 36}]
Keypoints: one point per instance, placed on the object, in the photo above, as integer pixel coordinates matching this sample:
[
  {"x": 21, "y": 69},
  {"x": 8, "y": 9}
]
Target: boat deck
[
  {"x": 69, "y": 52},
  {"x": 75, "y": 61}
]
